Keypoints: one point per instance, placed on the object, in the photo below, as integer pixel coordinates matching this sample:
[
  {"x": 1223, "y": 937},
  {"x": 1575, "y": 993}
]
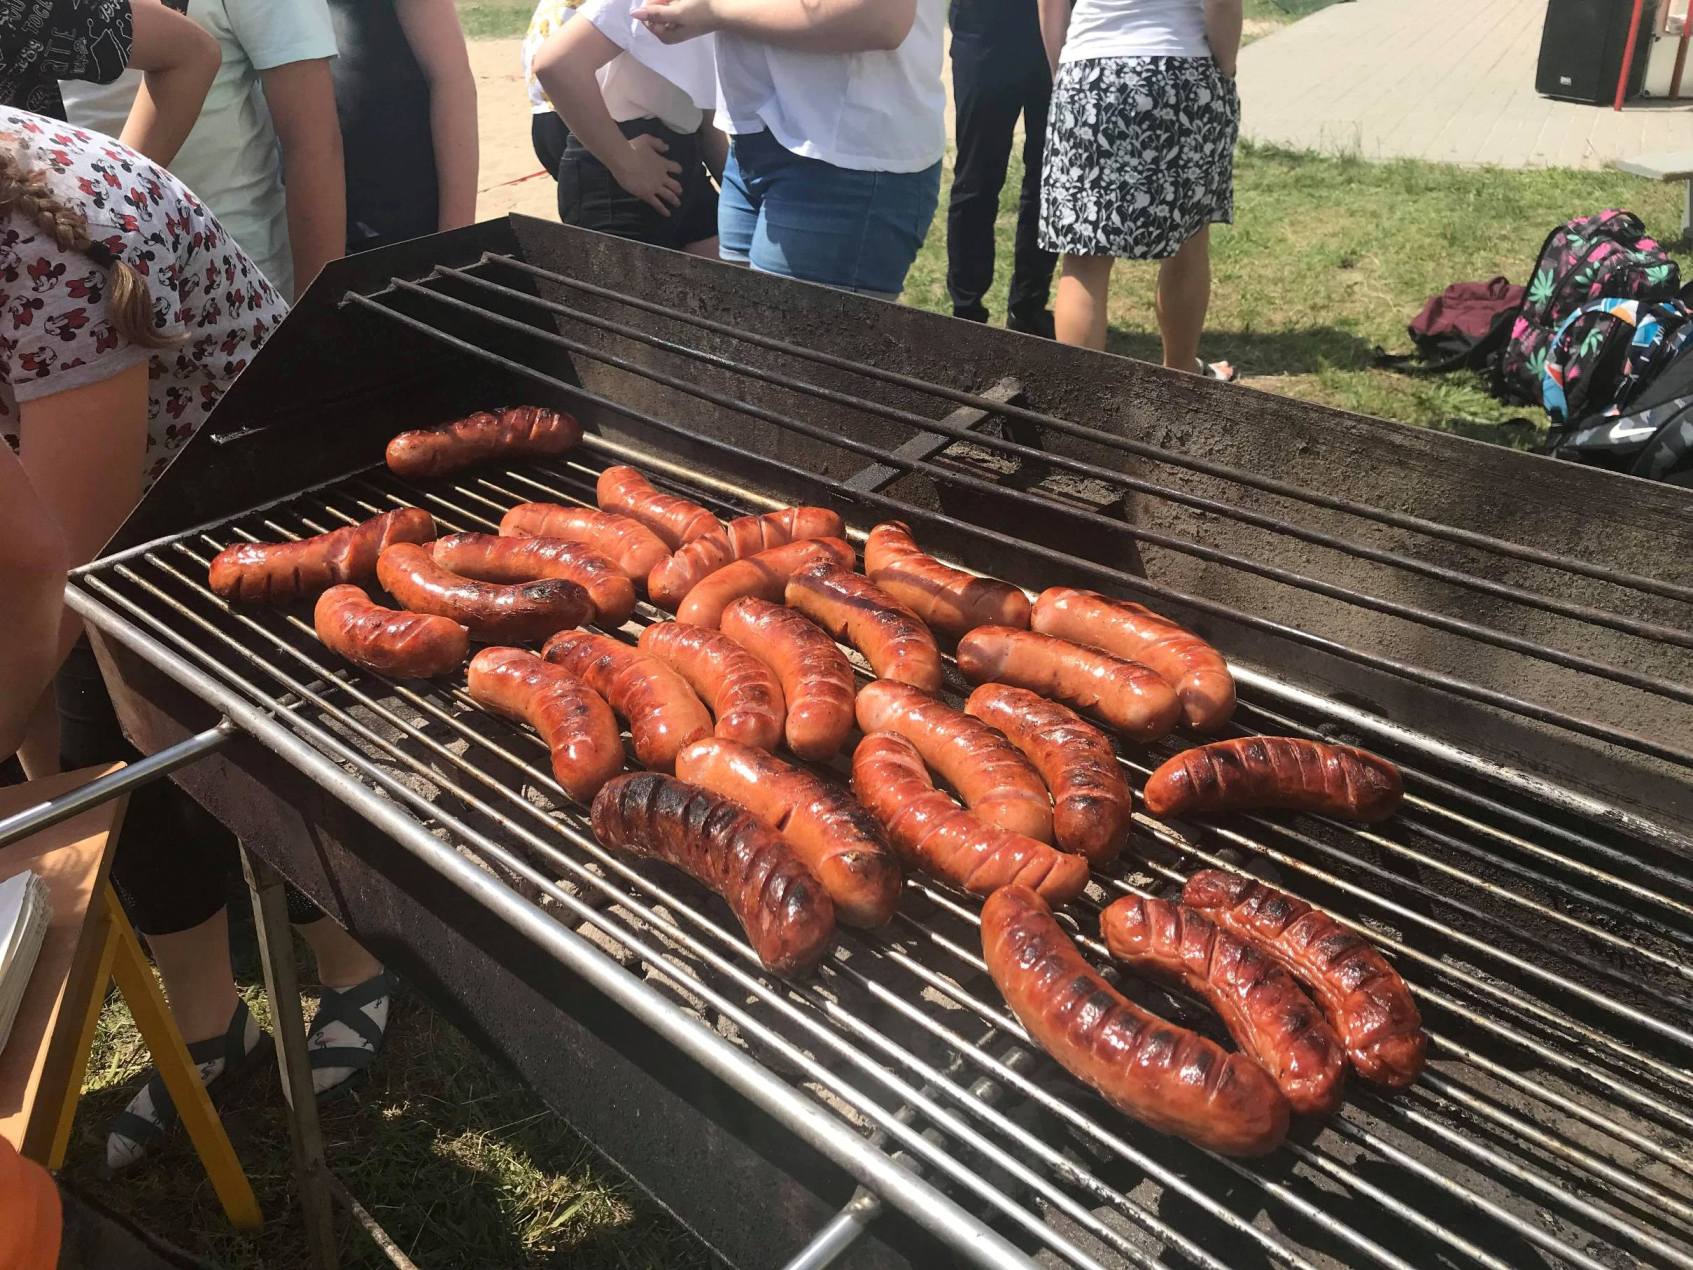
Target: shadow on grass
[{"x": 1293, "y": 352}]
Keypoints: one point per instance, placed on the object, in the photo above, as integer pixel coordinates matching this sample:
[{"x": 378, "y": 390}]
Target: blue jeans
[{"x": 803, "y": 218}]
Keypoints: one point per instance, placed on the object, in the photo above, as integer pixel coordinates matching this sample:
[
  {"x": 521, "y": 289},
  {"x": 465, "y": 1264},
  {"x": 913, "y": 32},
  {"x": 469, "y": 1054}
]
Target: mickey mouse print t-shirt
[{"x": 54, "y": 332}]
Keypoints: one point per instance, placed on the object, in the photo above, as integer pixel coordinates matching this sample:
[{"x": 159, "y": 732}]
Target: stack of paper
[{"x": 24, "y": 915}]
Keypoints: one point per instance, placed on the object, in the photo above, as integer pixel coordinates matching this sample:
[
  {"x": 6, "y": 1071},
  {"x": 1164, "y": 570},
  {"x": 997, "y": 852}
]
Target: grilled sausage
[
  {"x": 1364, "y": 997},
  {"x": 494, "y": 559},
  {"x": 950, "y": 600},
  {"x": 1091, "y": 803},
  {"x": 1187, "y": 663},
  {"x": 410, "y": 645},
  {"x": 854, "y": 609},
  {"x": 827, "y": 827},
  {"x": 663, "y": 713},
  {"x": 816, "y": 677},
  {"x": 573, "y": 719},
  {"x": 784, "y": 910},
  {"x": 628, "y": 544},
  {"x": 279, "y": 572},
  {"x": 936, "y": 835},
  {"x": 495, "y": 613},
  {"x": 1125, "y": 695},
  {"x": 1165, "y": 1076},
  {"x": 510, "y": 432},
  {"x": 670, "y": 582},
  {"x": 1276, "y": 771},
  {"x": 993, "y": 778},
  {"x": 764, "y": 575},
  {"x": 742, "y": 691},
  {"x": 1266, "y": 1012},
  {"x": 626, "y": 492}
]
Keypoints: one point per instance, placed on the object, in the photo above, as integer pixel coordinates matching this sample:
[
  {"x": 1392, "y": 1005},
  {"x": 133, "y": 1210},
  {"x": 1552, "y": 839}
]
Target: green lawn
[{"x": 495, "y": 19}]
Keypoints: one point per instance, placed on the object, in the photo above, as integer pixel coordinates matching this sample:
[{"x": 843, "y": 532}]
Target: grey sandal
[{"x": 347, "y": 1008}]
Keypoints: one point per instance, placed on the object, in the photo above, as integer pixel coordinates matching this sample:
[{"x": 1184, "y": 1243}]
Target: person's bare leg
[
  {"x": 1079, "y": 309},
  {"x": 199, "y": 980},
  {"x": 706, "y": 247},
  {"x": 1184, "y": 295},
  {"x": 39, "y": 752}
]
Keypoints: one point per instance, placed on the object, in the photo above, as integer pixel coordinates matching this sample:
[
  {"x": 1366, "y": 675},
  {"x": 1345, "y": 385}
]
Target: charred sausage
[
  {"x": 816, "y": 677},
  {"x": 1123, "y": 694},
  {"x": 1276, "y": 771},
  {"x": 991, "y": 775},
  {"x": 1187, "y": 663},
  {"x": 279, "y": 572},
  {"x": 1165, "y": 1076},
  {"x": 512, "y": 432},
  {"x": 1266, "y": 1012},
  {"x": 1091, "y": 803},
  {"x": 936, "y": 835},
  {"x": 784, "y": 910},
  {"x": 390, "y": 642},
  {"x": 495, "y": 613},
  {"x": 573, "y": 719},
  {"x": 670, "y": 582},
  {"x": 742, "y": 691},
  {"x": 663, "y": 713},
  {"x": 950, "y": 600},
  {"x": 629, "y": 544},
  {"x": 626, "y": 492},
  {"x": 1364, "y": 997},
  {"x": 829, "y": 829},
  {"x": 764, "y": 576},
  {"x": 494, "y": 559},
  {"x": 856, "y": 611}
]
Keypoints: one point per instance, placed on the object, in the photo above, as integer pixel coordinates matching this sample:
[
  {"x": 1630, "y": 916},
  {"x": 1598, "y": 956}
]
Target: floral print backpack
[{"x": 1605, "y": 352}]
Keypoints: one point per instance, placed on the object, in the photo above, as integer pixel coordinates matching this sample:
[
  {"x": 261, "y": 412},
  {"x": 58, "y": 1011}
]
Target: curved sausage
[
  {"x": 784, "y": 910},
  {"x": 1266, "y": 1012},
  {"x": 817, "y": 681},
  {"x": 573, "y": 719},
  {"x": 672, "y": 579},
  {"x": 950, "y": 600},
  {"x": 1187, "y": 663},
  {"x": 1165, "y": 1076},
  {"x": 1364, "y": 997},
  {"x": 763, "y": 576},
  {"x": 511, "y": 432},
  {"x": 491, "y": 558},
  {"x": 494, "y": 612},
  {"x": 663, "y": 713},
  {"x": 626, "y": 492},
  {"x": 829, "y": 829},
  {"x": 628, "y": 544},
  {"x": 277, "y": 572},
  {"x": 1289, "y": 772},
  {"x": 390, "y": 642},
  {"x": 856, "y": 611},
  {"x": 1091, "y": 804},
  {"x": 1127, "y": 696},
  {"x": 935, "y": 834},
  {"x": 743, "y": 692},
  {"x": 993, "y": 778}
]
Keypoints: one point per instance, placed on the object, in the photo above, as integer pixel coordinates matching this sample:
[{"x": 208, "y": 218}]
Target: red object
[
  {"x": 1628, "y": 52},
  {"x": 1681, "y": 55}
]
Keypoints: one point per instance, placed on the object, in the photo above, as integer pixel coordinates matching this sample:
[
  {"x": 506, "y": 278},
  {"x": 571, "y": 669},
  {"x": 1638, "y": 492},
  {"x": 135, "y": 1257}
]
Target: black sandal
[{"x": 347, "y": 1008}]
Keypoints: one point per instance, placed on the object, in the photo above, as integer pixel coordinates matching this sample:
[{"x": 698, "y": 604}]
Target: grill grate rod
[{"x": 1116, "y": 577}]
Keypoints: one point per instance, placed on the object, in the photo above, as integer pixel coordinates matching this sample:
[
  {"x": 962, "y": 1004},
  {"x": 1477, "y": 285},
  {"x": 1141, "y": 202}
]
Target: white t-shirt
[
  {"x": 673, "y": 83},
  {"x": 1136, "y": 28},
  {"x": 874, "y": 112},
  {"x": 231, "y": 159}
]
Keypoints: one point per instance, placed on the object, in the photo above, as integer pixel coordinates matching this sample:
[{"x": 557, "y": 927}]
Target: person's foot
[
  {"x": 1223, "y": 371},
  {"x": 347, "y": 1032},
  {"x": 1032, "y": 323}
]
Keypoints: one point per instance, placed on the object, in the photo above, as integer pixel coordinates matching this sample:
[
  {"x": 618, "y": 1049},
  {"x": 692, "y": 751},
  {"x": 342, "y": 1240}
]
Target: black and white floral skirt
[{"x": 1139, "y": 155}]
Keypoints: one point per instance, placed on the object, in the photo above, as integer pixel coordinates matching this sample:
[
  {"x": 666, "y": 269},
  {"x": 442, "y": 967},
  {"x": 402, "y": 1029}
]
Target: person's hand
[
  {"x": 1227, "y": 67},
  {"x": 649, "y": 176},
  {"x": 673, "y": 21}
]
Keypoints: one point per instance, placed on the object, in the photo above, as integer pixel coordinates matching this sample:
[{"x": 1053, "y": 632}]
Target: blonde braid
[{"x": 24, "y": 190}]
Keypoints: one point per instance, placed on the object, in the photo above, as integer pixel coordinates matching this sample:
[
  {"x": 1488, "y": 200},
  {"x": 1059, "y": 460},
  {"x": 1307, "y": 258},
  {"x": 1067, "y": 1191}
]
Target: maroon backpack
[{"x": 1464, "y": 324}]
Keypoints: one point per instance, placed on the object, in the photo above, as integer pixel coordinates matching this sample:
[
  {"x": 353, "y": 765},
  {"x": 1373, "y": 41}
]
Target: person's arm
[
  {"x": 1223, "y": 20},
  {"x": 301, "y": 97},
  {"x": 1054, "y": 26},
  {"x": 33, "y": 560},
  {"x": 814, "y": 26},
  {"x": 179, "y": 60},
  {"x": 437, "y": 41}
]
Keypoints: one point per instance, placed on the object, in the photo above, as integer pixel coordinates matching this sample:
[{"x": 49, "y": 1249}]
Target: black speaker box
[{"x": 1582, "y": 47}]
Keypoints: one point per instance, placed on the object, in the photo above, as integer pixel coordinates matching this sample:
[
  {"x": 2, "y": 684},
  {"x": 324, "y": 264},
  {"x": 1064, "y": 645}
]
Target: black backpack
[{"x": 1653, "y": 438}]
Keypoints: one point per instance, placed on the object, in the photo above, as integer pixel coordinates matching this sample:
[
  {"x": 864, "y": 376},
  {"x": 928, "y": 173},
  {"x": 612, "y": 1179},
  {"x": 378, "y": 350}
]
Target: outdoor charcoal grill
[{"x": 1512, "y": 631}]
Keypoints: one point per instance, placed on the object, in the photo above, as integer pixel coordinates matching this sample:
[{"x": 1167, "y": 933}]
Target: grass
[{"x": 495, "y": 19}]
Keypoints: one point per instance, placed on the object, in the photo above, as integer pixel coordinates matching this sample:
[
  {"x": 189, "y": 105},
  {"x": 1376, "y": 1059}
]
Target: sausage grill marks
[
  {"x": 1163, "y": 1075},
  {"x": 388, "y": 641},
  {"x": 493, "y": 559},
  {"x": 1276, "y": 771},
  {"x": 949, "y": 600},
  {"x": 663, "y": 713},
  {"x": 627, "y": 543},
  {"x": 573, "y": 719},
  {"x": 817, "y": 681},
  {"x": 763, "y": 576},
  {"x": 279, "y": 572},
  {"x": 625, "y": 491},
  {"x": 495, "y": 613},
  {"x": 742, "y": 691},
  {"x": 671, "y": 580},
  {"x": 786, "y": 913},
  {"x": 856, "y": 611},
  {"x": 512, "y": 432},
  {"x": 991, "y": 775}
]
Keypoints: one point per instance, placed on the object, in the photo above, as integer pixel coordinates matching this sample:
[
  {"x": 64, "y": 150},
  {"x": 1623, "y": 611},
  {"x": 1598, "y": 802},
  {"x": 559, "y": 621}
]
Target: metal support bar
[
  {"x": 925, "y": 445},
  {"x": 832, "y": 1242}
]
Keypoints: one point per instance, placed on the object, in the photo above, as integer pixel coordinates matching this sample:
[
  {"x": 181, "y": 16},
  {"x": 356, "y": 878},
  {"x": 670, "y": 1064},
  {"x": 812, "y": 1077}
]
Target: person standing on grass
[
  {"x": 1140, "y": 157},
  {"x": 999, "y": 73}
]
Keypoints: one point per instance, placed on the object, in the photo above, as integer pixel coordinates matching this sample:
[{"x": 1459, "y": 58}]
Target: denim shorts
[{"x": 803, "y": 218}]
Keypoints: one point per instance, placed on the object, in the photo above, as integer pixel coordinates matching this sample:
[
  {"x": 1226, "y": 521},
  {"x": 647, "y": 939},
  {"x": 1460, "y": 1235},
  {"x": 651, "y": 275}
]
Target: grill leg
[{"x": 282, "y": 986}]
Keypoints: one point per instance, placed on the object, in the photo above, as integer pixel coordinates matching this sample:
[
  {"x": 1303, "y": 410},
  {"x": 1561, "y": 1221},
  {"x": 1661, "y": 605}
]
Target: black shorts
[{"x": 590, "y": 197}]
